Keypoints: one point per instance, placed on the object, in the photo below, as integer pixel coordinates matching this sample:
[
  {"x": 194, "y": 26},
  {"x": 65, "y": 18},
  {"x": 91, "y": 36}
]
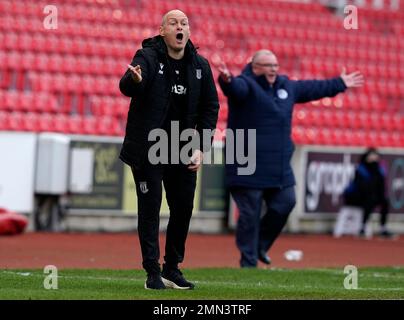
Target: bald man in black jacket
[{"x": 169, "y": 82}]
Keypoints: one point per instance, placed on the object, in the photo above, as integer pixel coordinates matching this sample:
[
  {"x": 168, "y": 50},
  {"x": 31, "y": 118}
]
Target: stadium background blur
[{"x": 65, "y": 81}]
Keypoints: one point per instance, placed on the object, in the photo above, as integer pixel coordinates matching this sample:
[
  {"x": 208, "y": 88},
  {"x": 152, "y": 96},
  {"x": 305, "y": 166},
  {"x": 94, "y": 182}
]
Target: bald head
[
  {"x": 175, "y": 32},
  {"x": 264, "y": 52},
  {"x": 264, "y": 62},
  {"x": 173, "y": 13}
]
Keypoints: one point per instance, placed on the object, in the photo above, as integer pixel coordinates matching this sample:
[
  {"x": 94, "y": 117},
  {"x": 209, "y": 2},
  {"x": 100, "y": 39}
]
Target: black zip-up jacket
[{"x": 151, "y": 98}]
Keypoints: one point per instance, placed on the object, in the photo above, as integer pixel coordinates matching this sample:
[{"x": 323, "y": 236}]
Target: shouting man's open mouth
[{"x": 179, "y": 37}]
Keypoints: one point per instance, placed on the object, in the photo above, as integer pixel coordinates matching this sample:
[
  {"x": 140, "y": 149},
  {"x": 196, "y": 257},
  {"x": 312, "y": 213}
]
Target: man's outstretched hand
[
  {"x": 352, "y": 80},
  {"x": 225, "y": 73},
  {"x": 136, "y": 73}
]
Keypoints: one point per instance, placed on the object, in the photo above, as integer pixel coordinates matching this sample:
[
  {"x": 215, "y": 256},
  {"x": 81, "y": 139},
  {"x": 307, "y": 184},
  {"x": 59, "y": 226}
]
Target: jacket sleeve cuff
[{"x": 342, "y": 84}]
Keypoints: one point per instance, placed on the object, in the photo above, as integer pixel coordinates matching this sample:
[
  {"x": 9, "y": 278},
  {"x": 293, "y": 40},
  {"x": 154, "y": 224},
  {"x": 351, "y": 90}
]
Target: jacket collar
[{"x": 158, "y": 44}]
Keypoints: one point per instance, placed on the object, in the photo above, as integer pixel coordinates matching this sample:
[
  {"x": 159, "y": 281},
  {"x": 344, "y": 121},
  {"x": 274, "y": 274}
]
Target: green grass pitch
[{"x": 232, "y": 284}]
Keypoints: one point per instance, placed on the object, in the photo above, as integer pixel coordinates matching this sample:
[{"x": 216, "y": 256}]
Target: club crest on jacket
[
  {"x": 143, "y": 187},
  {"x": 282, "y": 94}
]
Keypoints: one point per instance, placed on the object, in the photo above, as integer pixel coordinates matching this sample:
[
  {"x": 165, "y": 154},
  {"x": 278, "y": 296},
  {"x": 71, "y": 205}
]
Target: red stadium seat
[
  {"x": 2, "y": 100},
  {"x": 46, "y": 123},
  {"x": 11, "y": 100},
  {"x": 109, "y": 126},
  {"x": 75, "y": 125},
  {"x": 15, "y": 121},
  {"x": 4, "y": 121},
  {"x": 30, "y": 122},
  {"x": 61, "y": 123},
  {"x": 90, "y": 125},
  {"x": 324, "y": 136},
  {"x": 44, "y": 102}
]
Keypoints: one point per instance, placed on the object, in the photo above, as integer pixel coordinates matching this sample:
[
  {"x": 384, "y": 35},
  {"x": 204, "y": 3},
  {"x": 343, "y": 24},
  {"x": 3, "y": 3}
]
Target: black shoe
[
  {"x": 386, "y": 234},
  {"x": 173, "y": 278},
  {"x": 262, "y": 256},
  {"x": 154, "y": 282}
]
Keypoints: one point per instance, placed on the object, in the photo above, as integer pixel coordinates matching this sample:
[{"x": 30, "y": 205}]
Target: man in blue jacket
[{"x": 261, "y": 99}]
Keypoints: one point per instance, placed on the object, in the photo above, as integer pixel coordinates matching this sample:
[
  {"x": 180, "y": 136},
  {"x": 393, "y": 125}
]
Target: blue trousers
[{"x": 255, "y": 233}]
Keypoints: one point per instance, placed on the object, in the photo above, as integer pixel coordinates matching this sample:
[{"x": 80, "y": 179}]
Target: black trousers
[
  {"x": 369, "y": 207},
  {"x": 368, "y": 203},
  {"x": 179, "y": 184},
  {"x": 255, "y": 233}
]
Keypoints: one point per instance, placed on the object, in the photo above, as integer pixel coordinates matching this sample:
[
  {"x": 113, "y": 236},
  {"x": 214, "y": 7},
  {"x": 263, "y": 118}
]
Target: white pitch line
[{"x": 224, "y": 283}]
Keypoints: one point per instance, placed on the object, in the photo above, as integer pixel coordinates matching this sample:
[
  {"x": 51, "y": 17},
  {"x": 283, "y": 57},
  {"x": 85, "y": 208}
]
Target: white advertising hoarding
[{"x": 17, "y": 170}]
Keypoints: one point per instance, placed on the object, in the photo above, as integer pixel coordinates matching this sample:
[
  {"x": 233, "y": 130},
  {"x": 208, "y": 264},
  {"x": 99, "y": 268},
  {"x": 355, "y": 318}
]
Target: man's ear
[
  {"x": 254, "y": 69},
  {"x": 161, "y": 31}
]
